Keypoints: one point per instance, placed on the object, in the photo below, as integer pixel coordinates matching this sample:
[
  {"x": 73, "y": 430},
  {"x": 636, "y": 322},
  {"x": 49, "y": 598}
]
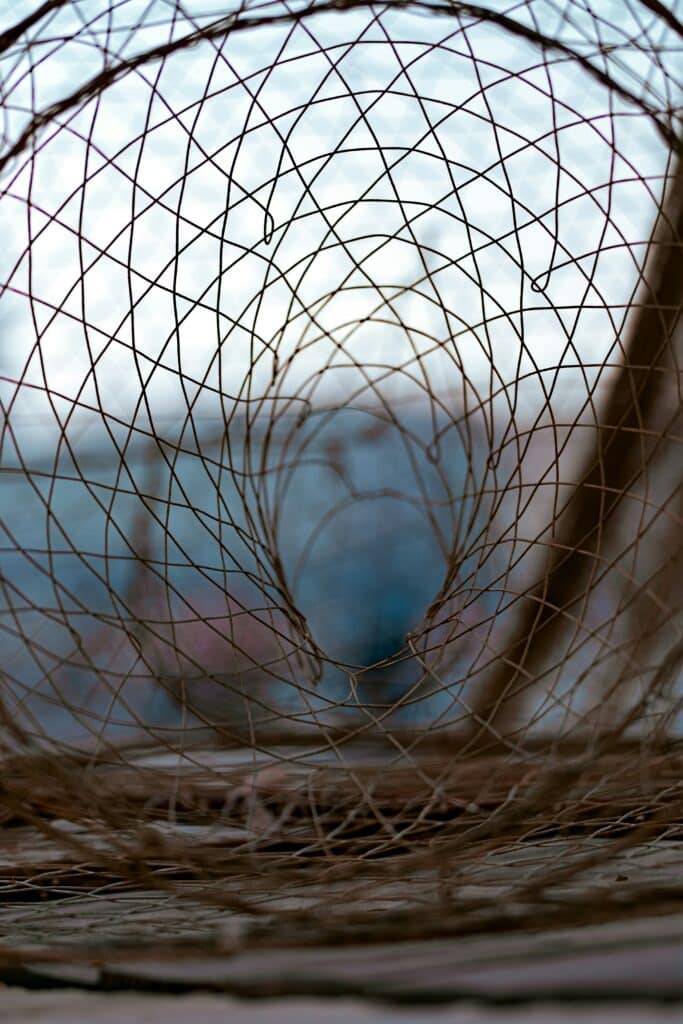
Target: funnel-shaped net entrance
[{"x": 341, "y": 472}]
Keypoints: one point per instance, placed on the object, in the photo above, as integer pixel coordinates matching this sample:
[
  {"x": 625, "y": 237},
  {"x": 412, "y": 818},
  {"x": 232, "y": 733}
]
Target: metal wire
[{"x": 340, "y": 454}]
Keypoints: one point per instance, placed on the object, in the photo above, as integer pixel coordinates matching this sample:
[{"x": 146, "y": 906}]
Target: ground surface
[
  {"x": 81, "y": 943},
  {"x": 579, "y": 970},
  {"x": 72, "y": 1007}
]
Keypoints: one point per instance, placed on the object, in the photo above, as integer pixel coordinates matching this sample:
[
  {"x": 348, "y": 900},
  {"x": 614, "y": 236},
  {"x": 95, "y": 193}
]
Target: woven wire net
[{"x": 341, "y": 479}]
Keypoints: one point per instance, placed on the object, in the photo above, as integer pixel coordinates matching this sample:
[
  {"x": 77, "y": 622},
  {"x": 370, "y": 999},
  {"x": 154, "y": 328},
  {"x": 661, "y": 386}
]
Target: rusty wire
[{"x": 340, "y": 456}]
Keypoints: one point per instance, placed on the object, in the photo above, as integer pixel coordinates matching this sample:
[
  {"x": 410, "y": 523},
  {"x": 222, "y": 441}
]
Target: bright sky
[{"x": 348, "y": 206}]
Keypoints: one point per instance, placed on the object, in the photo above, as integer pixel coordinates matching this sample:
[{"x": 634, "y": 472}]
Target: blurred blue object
[{"x": 338, "y": 530}]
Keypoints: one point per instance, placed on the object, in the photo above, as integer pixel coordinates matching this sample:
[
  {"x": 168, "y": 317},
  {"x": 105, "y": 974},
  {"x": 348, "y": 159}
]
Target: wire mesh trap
[{"x": 341, "y": 475}]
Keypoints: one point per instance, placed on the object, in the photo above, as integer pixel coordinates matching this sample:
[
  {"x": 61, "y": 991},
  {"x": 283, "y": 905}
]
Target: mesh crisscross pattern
[{"x": 340, "y": 462}]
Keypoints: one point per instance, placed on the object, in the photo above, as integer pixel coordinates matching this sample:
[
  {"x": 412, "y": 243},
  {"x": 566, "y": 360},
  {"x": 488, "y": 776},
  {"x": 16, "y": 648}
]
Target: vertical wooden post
[{"x": 611, "y": 467}]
